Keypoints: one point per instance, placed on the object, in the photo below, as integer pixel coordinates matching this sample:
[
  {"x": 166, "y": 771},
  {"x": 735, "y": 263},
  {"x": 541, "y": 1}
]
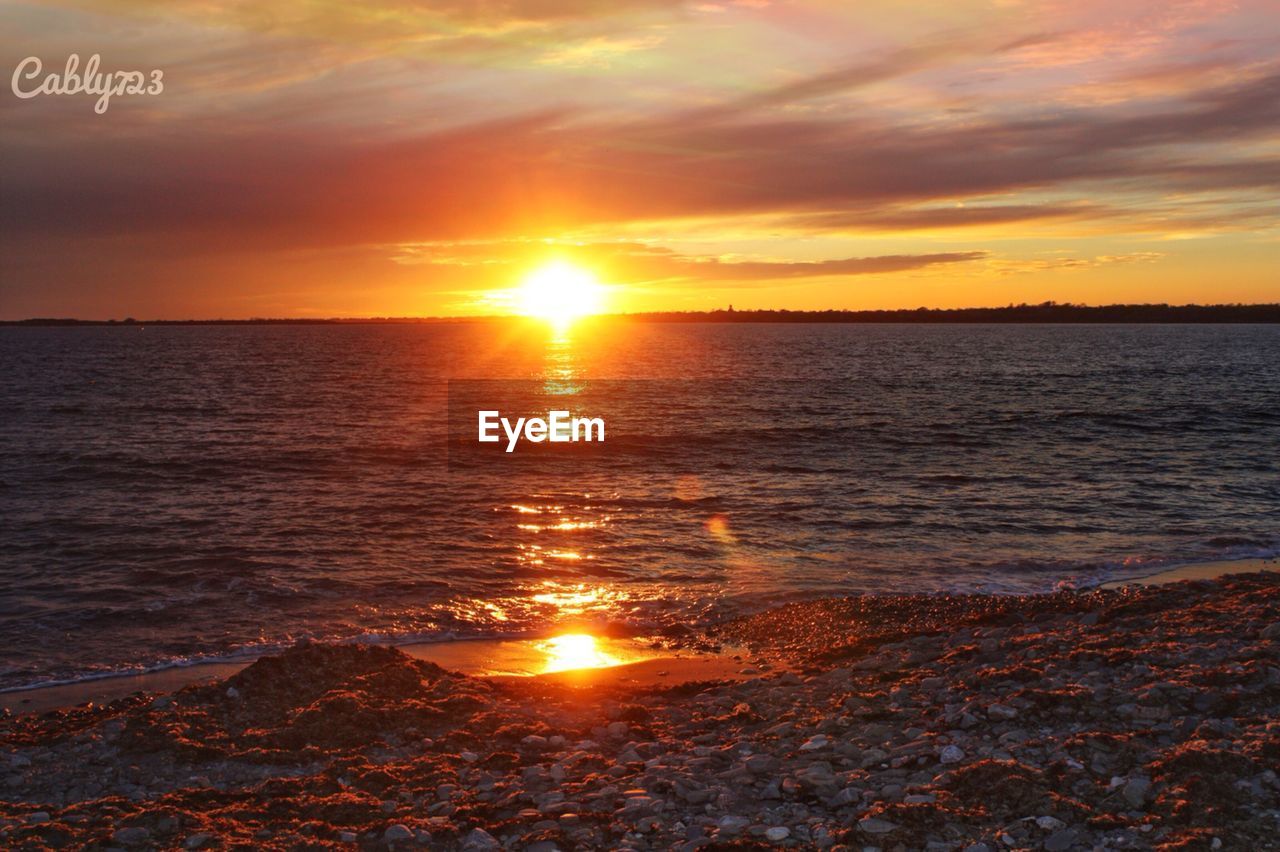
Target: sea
[{"x": 176, "y": 494}]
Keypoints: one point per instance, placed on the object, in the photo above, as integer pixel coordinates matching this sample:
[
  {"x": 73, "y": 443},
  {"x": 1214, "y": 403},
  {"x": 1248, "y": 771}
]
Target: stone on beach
[
  {"x": 479, "y": 840},
  {"x": 397, "y": 834},
  {"x": 874, "y": 826},
  {"x": 1135, "y": 791},
  {"x": 131, "y": 836},
  {"x": 1002, "y": 712},
  {"x": 1060, "y": 841}
]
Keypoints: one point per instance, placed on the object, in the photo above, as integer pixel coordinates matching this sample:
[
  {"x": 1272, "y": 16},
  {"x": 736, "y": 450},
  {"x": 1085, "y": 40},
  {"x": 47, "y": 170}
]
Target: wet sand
[{"x": 632, "y": 662}]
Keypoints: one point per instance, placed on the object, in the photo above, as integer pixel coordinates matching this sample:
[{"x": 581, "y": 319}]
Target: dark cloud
[
  {"x": 538, "y": 173},
  {"x": 211, "y": 189}
]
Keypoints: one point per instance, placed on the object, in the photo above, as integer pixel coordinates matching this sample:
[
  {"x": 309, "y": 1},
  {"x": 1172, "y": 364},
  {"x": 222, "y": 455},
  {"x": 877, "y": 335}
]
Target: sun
[{"x": 559, "y": 292}]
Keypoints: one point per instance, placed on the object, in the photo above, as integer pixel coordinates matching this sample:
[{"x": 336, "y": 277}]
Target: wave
[{"x": 659, "y": 615}]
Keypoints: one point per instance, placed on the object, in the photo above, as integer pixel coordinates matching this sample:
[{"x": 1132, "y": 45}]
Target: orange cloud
[{"x": 306, "y": 148}]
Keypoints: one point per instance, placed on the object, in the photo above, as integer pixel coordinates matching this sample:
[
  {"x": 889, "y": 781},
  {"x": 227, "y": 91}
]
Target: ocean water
[{"x": 171, "y": 494}]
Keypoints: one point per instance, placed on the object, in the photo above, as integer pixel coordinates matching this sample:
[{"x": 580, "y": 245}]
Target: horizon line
[{"x": 1064, "y": 309}]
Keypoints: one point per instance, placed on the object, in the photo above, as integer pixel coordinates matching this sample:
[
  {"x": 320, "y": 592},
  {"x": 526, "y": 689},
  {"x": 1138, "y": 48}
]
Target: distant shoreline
[{"x": 1048, "y": 312}]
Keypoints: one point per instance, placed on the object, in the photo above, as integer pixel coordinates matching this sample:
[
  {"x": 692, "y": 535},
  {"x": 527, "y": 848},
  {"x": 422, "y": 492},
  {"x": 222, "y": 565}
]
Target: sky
[{"x": 421, "y": 157}]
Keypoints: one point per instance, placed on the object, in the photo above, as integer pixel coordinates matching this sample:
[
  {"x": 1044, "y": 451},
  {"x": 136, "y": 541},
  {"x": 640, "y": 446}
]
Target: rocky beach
[{"x": 1134, "y": 718}]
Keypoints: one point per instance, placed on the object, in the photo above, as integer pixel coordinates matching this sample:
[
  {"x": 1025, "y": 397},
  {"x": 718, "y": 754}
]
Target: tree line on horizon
[{"x": 1042, "y": 312}]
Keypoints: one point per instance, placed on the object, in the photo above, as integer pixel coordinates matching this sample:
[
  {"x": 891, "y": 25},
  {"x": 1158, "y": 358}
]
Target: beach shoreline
[
  {"x": 488, "y": 657},
  {"x": 636, "y": 660},
  {"x": 1199, "y": 571},
  {"x": 1137, "y": 718}
]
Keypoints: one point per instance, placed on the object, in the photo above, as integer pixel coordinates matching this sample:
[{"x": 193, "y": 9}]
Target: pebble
[
  {"x": 815, "y": 743},
  {"x": 1060, "y": 841},
  {"x": 1135, "y": 791},
  {"x": 134, "y": 835},
  {"x": 397, "y": 833},
  {"x": 951, "y": 754},
  {"x": 479, "y": 840},
  {"x": 875, "y": 825}
]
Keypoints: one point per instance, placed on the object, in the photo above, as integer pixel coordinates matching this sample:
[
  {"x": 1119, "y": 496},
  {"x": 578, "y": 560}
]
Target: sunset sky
[{"x": 413, "y": 157}]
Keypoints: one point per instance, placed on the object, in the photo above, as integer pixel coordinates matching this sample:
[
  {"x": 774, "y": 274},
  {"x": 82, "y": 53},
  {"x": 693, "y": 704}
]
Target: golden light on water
[
  {"x": 564, "y": 526},
  {"x": 575, "y": 651},
  {"x": 535, "y": 554},
  {"x": 560, "y": 292},
  {"x": 577, "y": 599}
]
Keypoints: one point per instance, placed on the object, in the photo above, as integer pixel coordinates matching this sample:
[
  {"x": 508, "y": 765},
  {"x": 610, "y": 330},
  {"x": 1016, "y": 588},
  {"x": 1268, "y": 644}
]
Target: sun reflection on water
[
  {"x": 575, "y": 651},
  {"x": 542, "y": 531},
  {"x": 575, "y": 600},
  {"x": 564, "y": 526},
  {"x": 560, "y": 371},
  {"x": 546, "y": 604},
  {"x": 535, "y": 554}
]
